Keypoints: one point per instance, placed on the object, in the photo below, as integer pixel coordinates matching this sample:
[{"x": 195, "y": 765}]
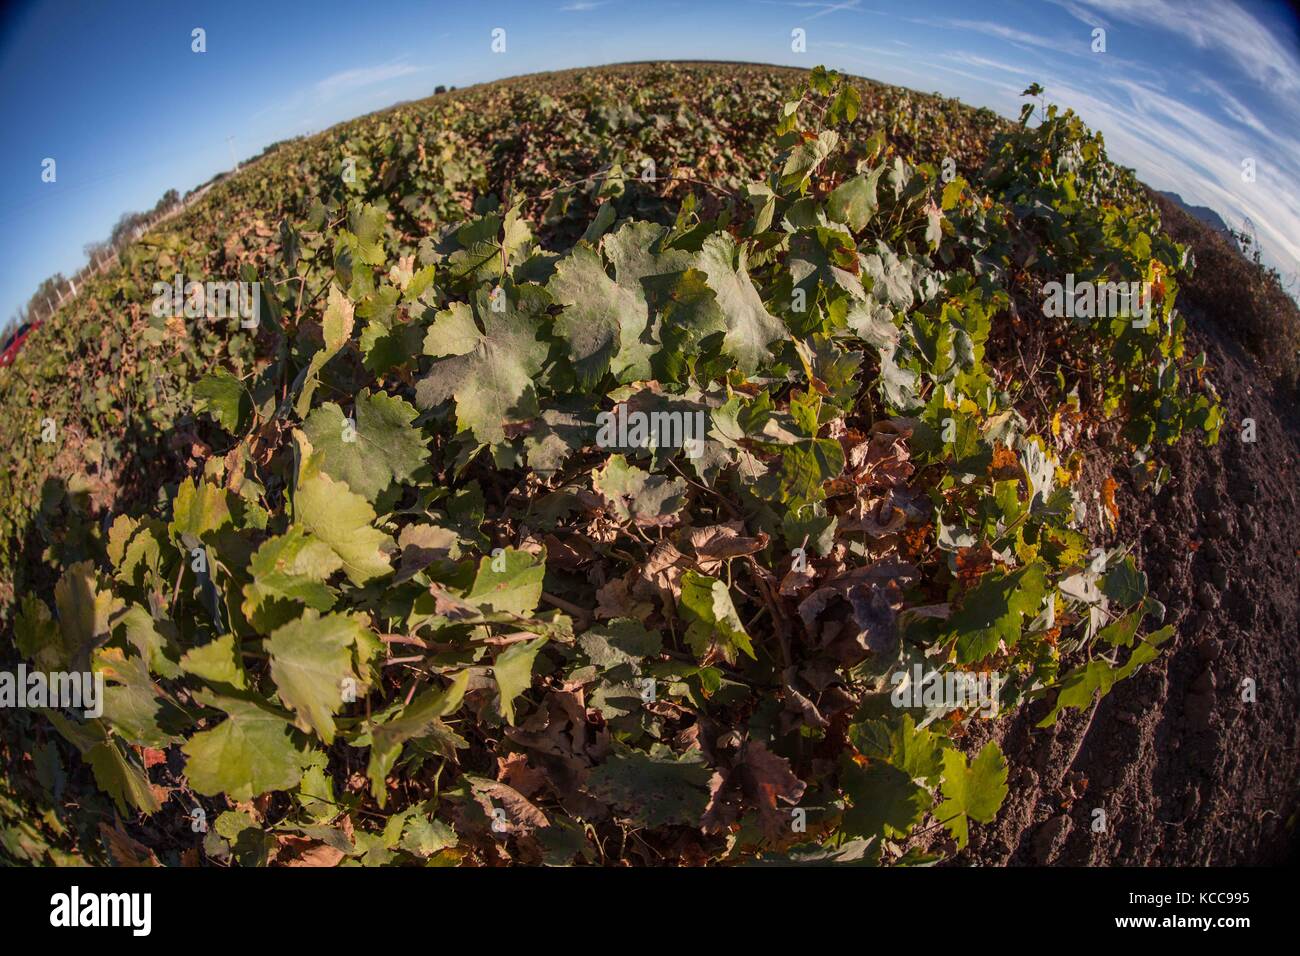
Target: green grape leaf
[
  {"x": 804, "y": 159},
  {"x": 885, "y": 800},
  {"x": 806, "y": 466},
  {"x": 604, "y": 321},
  {"x": 653, "y": 790},
  {"x": 116, "y": 772},
  {"x": 217, "y": 662},
  {"x": 516, "y": 588},
  {"x": 513, "y": 670},
  {"x": 638, "y": 496},
  {"x": 556, "y": 434},
  {"x": 1124, "y": 583},
  {"x": 310, "y": 659},
  {"x": 37, "y": 633},
  {"x": 343, "y": 520},
  {"x": 1094, "y": 679},
  {"x": 151, "y": 642},
  {"x": 621, "y": 641},
  {"x": 853, "y": 202},
  {"x": 132, "y": 705},
  {"x": 198, "y": 511},
  {"x": 900, "y": 743},
  {"x": 714, "y": 624},
  {"x": 294, "y": 567},
  {"x": 750, "y": 327},
  {"x": 224, "y": 397},
  {"x": 973, "y": 792},
  {"x": 379, "y": 447},
  {"x": 336, "y": 327},
  {"x": 491, "y": 375},
  {"x": 249, "y": 753},
  {"x": 993, "y": 611},
  {"x": 417, "y": 719}
]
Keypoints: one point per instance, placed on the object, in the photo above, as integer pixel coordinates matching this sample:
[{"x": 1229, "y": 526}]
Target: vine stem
[{"x": 568, "y": 606}]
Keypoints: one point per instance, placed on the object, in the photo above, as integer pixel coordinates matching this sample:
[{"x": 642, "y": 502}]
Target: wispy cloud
[
  {"x": 858, "y": 47},
  {"x": 999, "y": 31},
  {"x": 978, "y": 78},
  {"x": 582, "y": 6},
  {"x": 822, "y": 7},
  {"x": 1081, "y": 13},
  {"x": 346, "y": 81},
  {"x": 1236, "y": 109},
  {"x": 970, "y": 59},
  {"x": 1222, "y": 26},
  {"x": 310, "y": 105}
]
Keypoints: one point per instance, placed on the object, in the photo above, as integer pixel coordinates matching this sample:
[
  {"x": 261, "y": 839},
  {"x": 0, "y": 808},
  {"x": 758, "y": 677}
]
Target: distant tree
[
  {"x": 46, "y": 295},
  {"x": 122, "y": 230},
  {"x": 95, "y": 250}
]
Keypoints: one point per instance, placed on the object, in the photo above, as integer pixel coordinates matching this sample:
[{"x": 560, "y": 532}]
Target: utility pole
[{"x": 234, "y": 163}]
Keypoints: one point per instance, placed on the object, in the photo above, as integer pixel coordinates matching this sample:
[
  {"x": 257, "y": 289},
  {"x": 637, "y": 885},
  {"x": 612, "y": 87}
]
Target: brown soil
[{"x": 1188, "y": 773}]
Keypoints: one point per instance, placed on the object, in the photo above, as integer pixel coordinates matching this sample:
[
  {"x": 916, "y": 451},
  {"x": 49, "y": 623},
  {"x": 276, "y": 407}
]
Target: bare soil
[{"x": 1186, "y": 768}]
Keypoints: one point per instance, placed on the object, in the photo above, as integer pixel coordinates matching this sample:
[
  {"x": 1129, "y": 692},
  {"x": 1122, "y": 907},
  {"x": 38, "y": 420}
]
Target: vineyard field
[{"x": 658, "y": 464}]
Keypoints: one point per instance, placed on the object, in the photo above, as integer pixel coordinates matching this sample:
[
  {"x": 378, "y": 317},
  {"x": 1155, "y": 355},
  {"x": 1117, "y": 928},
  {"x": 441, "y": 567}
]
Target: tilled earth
[{"x": 1189, "y": 767}]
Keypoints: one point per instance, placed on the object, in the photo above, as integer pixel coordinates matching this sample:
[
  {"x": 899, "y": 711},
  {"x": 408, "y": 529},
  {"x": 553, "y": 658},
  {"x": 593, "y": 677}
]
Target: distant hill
[{"x": 1203, "y": 213}]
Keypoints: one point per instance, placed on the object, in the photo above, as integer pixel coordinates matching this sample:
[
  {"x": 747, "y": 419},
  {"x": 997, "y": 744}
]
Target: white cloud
[
  {"x": 999, "y": 31},
  {"x": 348, "y": 80},
  {"x": 970, "y": 59},
  {"x": 1236, "y": 109},
  {"x": 857, "y": 47},
  {"x": 821, "y": 6},
  {"x": 986, "y": 80},
  {"x": 1222, "y": 26},
  {"x": 312, "y": 106},
  {"x": 1080, "y": 13}
]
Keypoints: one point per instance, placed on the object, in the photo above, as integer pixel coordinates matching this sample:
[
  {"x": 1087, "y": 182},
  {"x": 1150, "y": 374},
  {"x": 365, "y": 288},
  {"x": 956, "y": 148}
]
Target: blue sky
[{"x": 1184, "y": 92}]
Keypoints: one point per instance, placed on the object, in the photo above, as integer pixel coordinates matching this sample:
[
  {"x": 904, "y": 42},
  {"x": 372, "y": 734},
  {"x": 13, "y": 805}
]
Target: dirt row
[{"x": 1196, "y": 759}]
